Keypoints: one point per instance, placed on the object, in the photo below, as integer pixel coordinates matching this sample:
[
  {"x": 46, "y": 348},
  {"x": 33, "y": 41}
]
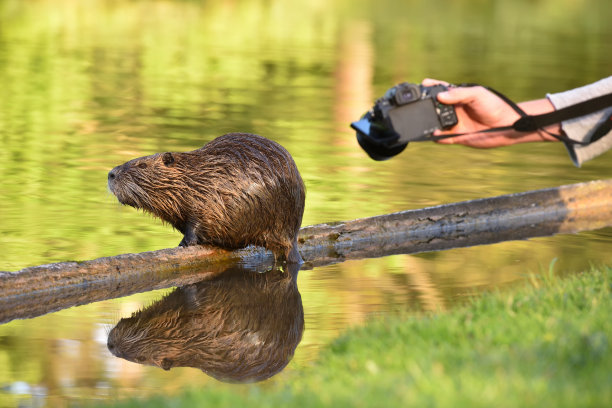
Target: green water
[{"x": 87, "y": 85}]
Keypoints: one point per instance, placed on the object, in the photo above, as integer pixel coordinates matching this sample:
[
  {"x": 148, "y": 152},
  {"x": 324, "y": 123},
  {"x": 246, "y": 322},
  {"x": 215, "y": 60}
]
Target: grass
[{"x": 548, "y": 344}]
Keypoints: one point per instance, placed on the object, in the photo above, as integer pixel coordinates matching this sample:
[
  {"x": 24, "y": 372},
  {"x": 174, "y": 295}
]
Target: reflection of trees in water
[{"x": 240, "y": 326}]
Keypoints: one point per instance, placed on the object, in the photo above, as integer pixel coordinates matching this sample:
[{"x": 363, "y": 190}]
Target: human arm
[
  {"x": 581, "y": 129},
  {"x": 478, "y": 108}
]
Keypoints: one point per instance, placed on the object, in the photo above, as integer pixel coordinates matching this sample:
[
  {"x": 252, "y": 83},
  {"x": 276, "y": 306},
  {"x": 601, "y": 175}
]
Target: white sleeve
[{"x": 581, "y": 129}]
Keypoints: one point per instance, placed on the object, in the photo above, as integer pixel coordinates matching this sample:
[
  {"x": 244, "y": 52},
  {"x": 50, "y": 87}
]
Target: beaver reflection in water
[
  {"x": 241, "y": 326},
  {"x": 238, "y": 190}
]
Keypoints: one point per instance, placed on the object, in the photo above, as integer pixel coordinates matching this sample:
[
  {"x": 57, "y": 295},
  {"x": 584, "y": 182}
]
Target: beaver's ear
[
  {"x": 168, "y": 159},
  {"x": 166, "y": 364}
]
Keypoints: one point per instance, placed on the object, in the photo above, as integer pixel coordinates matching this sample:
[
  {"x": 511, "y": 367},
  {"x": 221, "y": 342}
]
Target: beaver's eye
[{"x": 142, "y": 165}]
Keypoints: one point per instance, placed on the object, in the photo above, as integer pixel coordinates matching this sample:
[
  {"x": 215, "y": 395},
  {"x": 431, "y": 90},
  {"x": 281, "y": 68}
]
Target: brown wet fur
[
  {"x": 238, "y": 190},
  {"x": 240, "y": 326}
]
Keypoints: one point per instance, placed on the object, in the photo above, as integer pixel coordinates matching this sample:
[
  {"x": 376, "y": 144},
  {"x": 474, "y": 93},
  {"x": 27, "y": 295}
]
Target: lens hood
[{"x": 377, "y": 151}]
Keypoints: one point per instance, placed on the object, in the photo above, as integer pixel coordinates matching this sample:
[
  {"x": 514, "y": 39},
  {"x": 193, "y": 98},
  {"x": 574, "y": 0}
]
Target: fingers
[
  {"x": 432, "y": 82},
  {"x": 444, "y": 140},
  {"x": 448, "y": 140},
  {"x": 456, "y": 95},
  {"x": 461, "y": 95}
]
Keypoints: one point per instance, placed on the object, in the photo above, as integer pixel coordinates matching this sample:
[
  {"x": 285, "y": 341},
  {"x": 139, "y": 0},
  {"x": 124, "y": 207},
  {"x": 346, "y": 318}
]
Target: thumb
[{"x": 460, "y": 95}]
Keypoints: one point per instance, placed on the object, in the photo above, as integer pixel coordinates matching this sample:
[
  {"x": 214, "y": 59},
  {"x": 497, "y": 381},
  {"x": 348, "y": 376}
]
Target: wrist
[{"x": 538, "y": 107}]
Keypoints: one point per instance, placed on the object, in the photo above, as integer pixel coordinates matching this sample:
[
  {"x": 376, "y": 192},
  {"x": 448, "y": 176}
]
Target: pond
[{"x": 85, "y": 86}]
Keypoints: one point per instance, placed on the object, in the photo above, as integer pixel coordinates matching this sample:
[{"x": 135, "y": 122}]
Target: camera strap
[{"x": 532, "y": 123}]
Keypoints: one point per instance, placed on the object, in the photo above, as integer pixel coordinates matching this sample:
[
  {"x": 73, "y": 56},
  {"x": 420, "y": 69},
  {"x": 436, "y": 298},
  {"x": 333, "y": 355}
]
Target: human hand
[{"x": 478, "y": 109}]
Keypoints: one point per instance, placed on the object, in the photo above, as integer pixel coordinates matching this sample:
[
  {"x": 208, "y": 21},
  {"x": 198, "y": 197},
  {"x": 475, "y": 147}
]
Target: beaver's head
[{"x": 153, "y": 183}]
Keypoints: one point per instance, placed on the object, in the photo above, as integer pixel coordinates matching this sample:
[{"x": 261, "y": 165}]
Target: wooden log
[{"x": 567, "y": 209}]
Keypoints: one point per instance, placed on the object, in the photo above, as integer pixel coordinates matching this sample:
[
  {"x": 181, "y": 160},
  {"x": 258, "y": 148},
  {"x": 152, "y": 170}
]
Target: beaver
[
  {"x": 239, "y": 189},
  {"x": 240, "y": 326}
]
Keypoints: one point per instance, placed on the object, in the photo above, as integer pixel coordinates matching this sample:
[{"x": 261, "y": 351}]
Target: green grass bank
[{"x": 547, "y": 344}]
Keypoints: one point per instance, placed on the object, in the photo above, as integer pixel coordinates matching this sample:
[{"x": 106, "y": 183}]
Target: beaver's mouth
[
  {"x": 128, "y": 201},
  {"x": 127, "y": 192}
]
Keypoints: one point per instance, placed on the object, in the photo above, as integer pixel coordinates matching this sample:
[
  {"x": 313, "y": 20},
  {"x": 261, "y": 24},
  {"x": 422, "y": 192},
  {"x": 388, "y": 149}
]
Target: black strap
[{"x": 531, "y": 123}]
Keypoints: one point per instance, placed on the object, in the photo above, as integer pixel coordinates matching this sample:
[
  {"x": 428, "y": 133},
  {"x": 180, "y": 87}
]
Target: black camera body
[{"x": 406, "y": 113}]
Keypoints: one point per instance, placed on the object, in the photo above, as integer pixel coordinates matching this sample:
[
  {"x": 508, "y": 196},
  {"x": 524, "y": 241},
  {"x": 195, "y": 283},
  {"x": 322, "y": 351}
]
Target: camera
[{"x": 406, "y": 113}]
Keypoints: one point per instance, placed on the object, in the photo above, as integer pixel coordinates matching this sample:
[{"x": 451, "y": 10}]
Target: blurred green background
[{"x": 86, "y": 85}]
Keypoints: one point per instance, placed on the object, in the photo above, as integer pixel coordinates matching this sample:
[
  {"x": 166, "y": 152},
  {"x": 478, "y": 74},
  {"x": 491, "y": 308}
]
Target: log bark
[{"x": 567, "y": 209}]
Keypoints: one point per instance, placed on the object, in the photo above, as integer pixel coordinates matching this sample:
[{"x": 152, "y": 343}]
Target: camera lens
[{"x": 378, "y": 152}]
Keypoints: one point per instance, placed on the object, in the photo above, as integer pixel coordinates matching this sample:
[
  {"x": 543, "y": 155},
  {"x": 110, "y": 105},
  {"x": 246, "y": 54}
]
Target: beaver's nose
[{"x": 112, "y": 174}]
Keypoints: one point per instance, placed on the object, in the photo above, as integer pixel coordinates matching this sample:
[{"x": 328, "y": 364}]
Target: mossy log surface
[{"x": 567, "y": 209}]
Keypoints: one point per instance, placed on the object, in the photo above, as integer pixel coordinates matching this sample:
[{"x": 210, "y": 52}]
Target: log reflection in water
[{"x": 239, "y": 326}]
